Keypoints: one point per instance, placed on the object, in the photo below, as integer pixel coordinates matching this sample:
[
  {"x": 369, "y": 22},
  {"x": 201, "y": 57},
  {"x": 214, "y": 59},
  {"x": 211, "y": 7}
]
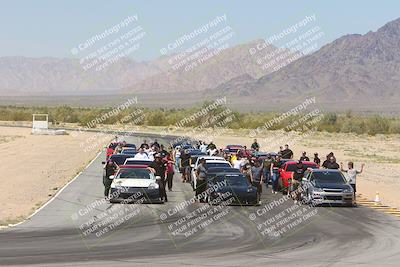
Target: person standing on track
[
  {"x": 352, "y": 174},
  {"x": 255, "y": 146},
  {"x": 267, "y": 170},
  {"x": 201, "y": 176},
  {"x": 110, "y": 169},
  {"x": 297, "y": 175},
  {"x": 304, "y": 157},
  {"x": 185, "y": 166},
  {"x": 332, "y": 164},
  {"x": 257, "y": 175},
  {"x": 287, "y": 153},
  {"x": 177, "y": 157},
  {"x": 170, "y": 170},
  {"x": 159, "y": 168},
  {"x": 317, "y": 160}
]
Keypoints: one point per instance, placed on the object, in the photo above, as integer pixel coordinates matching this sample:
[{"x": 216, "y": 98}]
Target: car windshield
[
  {"x": 135, "y": 174},
  {"x": 217, "y": 170},
  {"x": 232, "y": 180},
  {"x": 129, "y": 151},
  {"x": 293, "y": 167},
  {"x": 130, "y": 145},
  {"x": 217, "y": 164},
  {"x": 137, "y": 162},
  {"x": 119, "y": 159},
  {"x": 329, "y": 177}
]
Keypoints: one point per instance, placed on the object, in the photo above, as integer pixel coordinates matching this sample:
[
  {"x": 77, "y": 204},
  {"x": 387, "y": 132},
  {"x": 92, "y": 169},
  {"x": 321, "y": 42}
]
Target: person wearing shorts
[{"x": 297, "y": 175}]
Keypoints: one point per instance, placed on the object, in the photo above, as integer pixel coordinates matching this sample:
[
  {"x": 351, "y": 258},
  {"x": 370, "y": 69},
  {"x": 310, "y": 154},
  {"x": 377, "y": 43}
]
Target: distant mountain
[
  {"x": 353, "y": 72},
  {"x": 220, "y": 67},
  {"x": 53, "y": 76},
  {"x": 358, "y": 72}
]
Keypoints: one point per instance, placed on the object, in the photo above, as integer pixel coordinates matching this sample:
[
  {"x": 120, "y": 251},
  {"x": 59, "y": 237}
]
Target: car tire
[{"x": 113, "y": 201}]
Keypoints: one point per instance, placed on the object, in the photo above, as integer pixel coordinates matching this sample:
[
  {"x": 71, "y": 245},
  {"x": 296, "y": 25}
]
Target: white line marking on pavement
[{"x": 59, "y": 192}]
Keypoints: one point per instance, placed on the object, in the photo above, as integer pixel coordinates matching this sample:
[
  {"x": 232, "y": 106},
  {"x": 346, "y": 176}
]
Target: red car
[
  {"x": 286, "y": 171},
  {"x": 233, "y": 149}
]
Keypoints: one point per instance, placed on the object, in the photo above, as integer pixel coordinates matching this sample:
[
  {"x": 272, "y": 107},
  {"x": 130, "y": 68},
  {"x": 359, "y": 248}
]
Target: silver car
[{"x": 326, "y": 187}]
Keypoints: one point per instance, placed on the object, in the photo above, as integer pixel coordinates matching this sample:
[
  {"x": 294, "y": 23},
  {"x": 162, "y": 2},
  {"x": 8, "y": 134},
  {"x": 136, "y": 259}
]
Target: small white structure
[{"x": 40, "y": 125}]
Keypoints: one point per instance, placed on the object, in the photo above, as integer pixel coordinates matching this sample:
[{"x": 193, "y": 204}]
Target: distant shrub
[{"x": 347, "y": 122}]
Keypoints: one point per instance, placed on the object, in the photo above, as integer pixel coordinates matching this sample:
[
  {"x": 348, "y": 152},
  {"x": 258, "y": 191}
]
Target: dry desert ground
[{"x": 34, "y": 167}]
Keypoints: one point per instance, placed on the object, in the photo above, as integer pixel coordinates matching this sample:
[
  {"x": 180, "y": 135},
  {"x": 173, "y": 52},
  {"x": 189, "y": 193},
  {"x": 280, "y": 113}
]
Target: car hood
[
  {"x": 133, "y": 182},
  {"x": 233, "y": 189},
  {"x": 331, "y": 185}
]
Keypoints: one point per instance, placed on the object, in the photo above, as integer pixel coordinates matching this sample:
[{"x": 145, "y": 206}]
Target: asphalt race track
[{"x": 322, "y": 236}]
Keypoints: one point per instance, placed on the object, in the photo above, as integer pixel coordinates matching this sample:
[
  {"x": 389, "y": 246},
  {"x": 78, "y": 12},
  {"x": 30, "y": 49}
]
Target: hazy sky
[{"x": 53, "y": 27}]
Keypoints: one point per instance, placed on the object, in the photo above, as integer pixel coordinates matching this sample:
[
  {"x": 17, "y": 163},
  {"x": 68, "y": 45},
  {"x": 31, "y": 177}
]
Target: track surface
[{"x": 332, "y": 236}]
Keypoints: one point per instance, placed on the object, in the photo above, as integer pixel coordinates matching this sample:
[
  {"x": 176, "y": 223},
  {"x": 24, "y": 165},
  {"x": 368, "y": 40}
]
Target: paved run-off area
[{"x": 70, "y": 231}]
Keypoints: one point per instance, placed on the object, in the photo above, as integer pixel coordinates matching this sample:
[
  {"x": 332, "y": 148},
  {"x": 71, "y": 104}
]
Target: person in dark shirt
[
  {"x": 257, "y": 176},
  {"x": 185, "y": 166},
  {"x": 326, "y": 162},
  {"x": 317, "y": 160},
  {"x": 159, "y": 168},
  {"x": 156, "y": 144},
  {"x": 304, "y": 157},
  {"x": 211, "y": 145},
  {"x": 163, "y": 152},
  {"x": 255, "y": 145},
  {"x": 145, "y": 145},
  {"x": 110, "y": 169},
  {"x": 297, "y": 175},
  {"x": 332, "y": 164},
  {"x": 201, "y": 175},
  {"x": 287, "y": 153}
]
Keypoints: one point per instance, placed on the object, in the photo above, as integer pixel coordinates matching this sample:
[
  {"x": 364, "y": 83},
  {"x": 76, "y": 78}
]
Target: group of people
[{"x": 257, "y": 170}]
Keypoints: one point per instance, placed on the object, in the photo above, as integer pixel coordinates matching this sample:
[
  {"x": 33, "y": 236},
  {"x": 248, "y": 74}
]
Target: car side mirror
[{"x": 112, "y": 177}]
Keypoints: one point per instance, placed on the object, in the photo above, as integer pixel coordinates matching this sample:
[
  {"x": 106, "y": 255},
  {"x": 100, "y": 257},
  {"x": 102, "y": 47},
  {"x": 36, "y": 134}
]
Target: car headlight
[
  {"x": 153, "y": 186},
  {"x": 348, "y": 190},
  {"x": 317, "y": 190}
]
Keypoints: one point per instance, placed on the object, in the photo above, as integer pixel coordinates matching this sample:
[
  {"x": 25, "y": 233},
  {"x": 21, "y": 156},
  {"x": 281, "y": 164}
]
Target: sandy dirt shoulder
[{"x": 35, "y": 167}]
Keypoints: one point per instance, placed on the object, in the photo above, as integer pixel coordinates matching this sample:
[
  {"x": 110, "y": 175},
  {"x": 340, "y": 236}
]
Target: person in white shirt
[
  {"x": 212, "y": 151},
  {"x": 141, "y": 154},
  {"x": 352, "y": 174},
  {"x": 203, "y": 147},
  {"x": 237, "y": 163}
]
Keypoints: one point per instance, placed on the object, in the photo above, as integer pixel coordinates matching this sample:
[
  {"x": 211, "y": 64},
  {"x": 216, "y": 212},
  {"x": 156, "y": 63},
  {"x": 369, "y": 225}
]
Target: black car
[
  {"x": 119, "y": 159},
  {"x": 130, "y": 146},
  {"x": 232, "y": 185},
  {"x": 214, "y": 171}
]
